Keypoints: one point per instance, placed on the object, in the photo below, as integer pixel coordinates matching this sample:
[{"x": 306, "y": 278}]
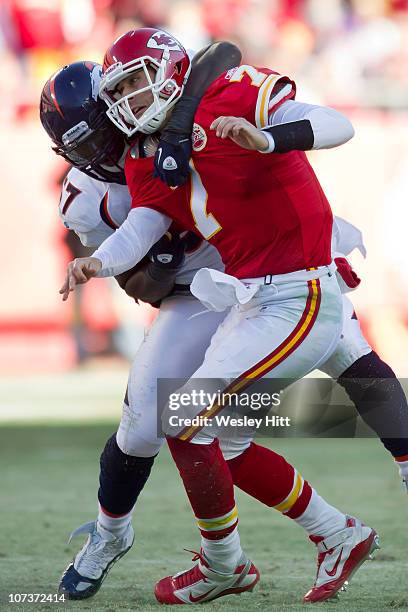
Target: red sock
[
  {"x": 208, "y": 484},
  {"x": 268, "y": 477}
]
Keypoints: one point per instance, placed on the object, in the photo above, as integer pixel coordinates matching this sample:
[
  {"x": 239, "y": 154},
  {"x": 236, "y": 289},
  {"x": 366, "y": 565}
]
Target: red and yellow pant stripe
[{"x": 273, "y": 359}]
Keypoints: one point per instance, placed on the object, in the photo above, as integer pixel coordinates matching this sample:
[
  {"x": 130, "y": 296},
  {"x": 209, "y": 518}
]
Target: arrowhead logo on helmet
[{"x": 162, "y": 40}]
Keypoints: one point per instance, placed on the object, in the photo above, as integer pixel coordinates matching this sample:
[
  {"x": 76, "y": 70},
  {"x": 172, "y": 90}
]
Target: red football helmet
[{"x": 138, "y": 50}]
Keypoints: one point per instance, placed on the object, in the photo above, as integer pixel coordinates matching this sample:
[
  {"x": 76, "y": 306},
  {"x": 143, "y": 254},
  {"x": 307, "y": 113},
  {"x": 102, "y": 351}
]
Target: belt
[{"x": 298, "y": 275}]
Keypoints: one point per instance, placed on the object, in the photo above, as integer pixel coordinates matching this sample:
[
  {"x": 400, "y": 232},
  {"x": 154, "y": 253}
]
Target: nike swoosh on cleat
[
  {"x": 335, "y": 566},
  {"x": 200, "y": 597}
]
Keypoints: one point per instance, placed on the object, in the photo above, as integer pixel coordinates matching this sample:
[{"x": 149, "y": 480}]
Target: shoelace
[
  {"x": 94, "y": 559},
  {"x": 193, "y": 574}
]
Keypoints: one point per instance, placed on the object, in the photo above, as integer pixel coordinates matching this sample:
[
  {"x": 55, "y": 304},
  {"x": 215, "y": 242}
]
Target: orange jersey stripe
[{"x": 104, "y": 212}]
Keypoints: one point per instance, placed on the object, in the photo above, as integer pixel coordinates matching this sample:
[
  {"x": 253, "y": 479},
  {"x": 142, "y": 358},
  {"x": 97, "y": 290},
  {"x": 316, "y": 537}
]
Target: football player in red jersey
[{"x": 271, "y": 222}]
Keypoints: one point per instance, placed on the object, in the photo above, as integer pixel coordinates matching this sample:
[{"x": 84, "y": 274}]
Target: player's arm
[
  {"x": 150, "y": 280},
  {"x": 293, "y": 126},
  {"x": 207, "y": 65},
  {"x": 296, "y": 125},
  {"x": 154, "y": 279},
  {"x": 141, "y": 282},
  {"x": 121, "y": 251}
]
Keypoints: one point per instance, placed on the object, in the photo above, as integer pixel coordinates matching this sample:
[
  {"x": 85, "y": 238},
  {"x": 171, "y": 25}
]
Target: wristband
[
  {"x": 271, "y": 143},
  {"x": 292, "y": 136}
]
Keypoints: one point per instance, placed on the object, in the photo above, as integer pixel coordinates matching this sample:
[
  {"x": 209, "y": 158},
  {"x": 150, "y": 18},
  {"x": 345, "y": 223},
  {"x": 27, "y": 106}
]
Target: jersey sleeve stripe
[
  {"x": 284, "y": 94},
  {"x": 104, "y": 212},
  {"x": 262, "y": 110}
]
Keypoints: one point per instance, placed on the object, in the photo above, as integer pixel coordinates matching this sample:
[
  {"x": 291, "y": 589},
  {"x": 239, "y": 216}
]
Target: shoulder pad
[{"x": 80, "y": 201}]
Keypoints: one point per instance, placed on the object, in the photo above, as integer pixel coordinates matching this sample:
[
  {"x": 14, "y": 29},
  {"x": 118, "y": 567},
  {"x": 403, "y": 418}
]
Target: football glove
[
  {"x": 171, "y": 161},
  {"x": 166, "y": 256}
]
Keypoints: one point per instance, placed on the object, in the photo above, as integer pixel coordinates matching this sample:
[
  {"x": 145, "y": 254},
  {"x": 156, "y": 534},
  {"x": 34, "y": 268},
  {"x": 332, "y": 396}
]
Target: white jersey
[{"x": 95, "y": 209}]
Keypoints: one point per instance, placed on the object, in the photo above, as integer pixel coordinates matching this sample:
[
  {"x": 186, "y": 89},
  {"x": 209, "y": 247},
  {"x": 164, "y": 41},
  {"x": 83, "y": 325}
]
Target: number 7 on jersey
[{"x": 204, "y": 221}]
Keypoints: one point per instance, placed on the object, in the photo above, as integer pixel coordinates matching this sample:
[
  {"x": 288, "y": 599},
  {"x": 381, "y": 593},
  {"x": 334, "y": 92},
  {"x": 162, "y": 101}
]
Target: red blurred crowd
[{"x": 346, "y": 52}]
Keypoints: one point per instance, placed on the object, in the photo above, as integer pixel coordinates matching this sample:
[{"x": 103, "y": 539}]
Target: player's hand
[
  {"x": 171, "y": 161},
  {"x": 79, "y": 271},
  {"x": 168, "y": 252},
  {"x": 241, "y": 131}
]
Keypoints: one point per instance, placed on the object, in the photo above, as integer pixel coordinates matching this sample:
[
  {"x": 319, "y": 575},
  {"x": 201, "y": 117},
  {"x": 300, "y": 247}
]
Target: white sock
[
  {"x": 223, "y": 555},
  {"x": 117, "y": 525},
  {"x": 321, "y": 519},
  {"x": 403, "y": 468}
]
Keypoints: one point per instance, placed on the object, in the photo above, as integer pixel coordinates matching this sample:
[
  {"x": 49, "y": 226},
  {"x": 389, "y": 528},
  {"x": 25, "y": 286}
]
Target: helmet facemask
[
  {"x": 94, "y": 149},
  {"x": 165, "y": 93}
]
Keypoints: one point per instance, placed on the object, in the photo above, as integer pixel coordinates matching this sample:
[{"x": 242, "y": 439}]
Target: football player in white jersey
[{"x": 94, "y": 209}]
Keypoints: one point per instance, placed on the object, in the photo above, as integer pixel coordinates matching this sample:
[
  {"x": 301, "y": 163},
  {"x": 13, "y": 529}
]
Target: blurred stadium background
[
  {"x": 68, "y": 362},
  {"x": 351, "y": 54}
]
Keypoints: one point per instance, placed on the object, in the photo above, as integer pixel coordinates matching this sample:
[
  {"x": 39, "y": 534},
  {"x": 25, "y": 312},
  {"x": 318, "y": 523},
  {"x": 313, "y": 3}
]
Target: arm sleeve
[
  {"x": 95, "y": 237},
  {"x": 207, "y": 65},
  {"x": 130, "y": 243},
  {"x": 330, "y": 128}
]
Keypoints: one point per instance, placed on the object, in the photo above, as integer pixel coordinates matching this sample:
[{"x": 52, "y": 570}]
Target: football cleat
[
  {"x": 84, "y": 576},
  {"x": 200, "y": 583},
  {"x": 340, "y": 556}
]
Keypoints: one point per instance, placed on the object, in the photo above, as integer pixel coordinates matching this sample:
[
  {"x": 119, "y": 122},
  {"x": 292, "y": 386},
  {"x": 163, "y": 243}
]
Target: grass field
[{"x": 48, "y": 487}]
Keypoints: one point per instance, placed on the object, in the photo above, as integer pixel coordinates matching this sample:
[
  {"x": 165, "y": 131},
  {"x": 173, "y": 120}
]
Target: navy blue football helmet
[{"x": 75, "y": 119}]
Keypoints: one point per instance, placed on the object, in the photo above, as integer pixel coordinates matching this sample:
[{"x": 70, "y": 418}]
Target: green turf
[{"x": 48, "y": 482}]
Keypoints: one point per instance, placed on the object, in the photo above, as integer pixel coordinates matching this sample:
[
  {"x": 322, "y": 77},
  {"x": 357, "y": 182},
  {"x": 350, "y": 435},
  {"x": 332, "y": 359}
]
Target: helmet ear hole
[{"x": 178, "y": 67}]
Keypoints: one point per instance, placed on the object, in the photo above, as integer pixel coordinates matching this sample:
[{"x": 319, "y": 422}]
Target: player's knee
[
  {"x": 115, "y": 458},
  {"x": 137, "y": 434},
  {"x": 368, "y": 366},
  {"x": 132, "y": 443},
  {"x": 234, "y": 448}
]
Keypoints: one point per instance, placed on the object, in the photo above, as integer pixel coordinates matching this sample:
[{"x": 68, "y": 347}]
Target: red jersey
[{"x": 265, "y": 213}]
